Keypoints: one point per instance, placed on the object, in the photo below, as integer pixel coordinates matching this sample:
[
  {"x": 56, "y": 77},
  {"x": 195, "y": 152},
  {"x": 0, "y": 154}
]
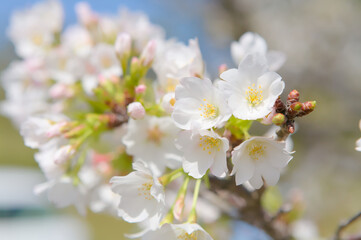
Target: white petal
[
  {"x": 185, "y": 111},
  {"x": 358, "y": 145},
  {"x": 267, "y": 79},
  {"x": 219, "y": 167},
  {"x": 275, "y": 60},
  {"x": 277, "y": 87},
  {"x": 192, "y": 87},
  {"x": 277, "y": 155},
  {"x": 254, "y": 65},
  {"x": 270, "y": 174},
  {"x": 244, "y": 169},
  {"x": 256, "y": 181}
]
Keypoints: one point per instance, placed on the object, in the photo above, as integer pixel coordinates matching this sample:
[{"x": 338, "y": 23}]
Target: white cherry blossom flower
[
  {"x": 63, "y": 193},
  {"x": 186, "y": 231},
  {"x": 139, "y": 27},
  {"x": 26, "y": 90},
  {"x": 141, "y": 195},
  {"x": 250, "y": 43},
  {"x": 199, "y": 104},
  {"x": 105, "y": 60},
  {"x": 168, "y": 102},
  {"x": 358, "y": 143},
  {"x": 45, "y": 159},
  {"x": 78, "y": 40},
  {"x": 33, "y": 30},
  {"x": 203, "y": 150},
  {"x": 151, "y": 140},
  {"x": 258, "y": 159},
  {"x": 38, "y": 131},
  {"x": 251, "y": 89},
  {"x": 63, "y": 66},
  {"x": 175, "y": 61},
  {"x": 85, "y": 14}
]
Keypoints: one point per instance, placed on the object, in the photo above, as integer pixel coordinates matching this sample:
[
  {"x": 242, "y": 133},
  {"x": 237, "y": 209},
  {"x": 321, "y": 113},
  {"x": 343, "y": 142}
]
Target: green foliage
[
  {"x": 123, "y": 162},
  {"x": 239, "y": 128},
  {"x": 272, "y": 200}
]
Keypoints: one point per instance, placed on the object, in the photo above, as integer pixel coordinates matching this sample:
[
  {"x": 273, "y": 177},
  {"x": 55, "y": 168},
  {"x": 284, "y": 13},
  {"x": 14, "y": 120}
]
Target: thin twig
[{"x": 346, "y": 224}]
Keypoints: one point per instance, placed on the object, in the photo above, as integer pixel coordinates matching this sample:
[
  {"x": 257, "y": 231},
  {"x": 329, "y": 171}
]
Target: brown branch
[
  {"x": 248, "y": 205},
  {"x": 346, "y": 224}
]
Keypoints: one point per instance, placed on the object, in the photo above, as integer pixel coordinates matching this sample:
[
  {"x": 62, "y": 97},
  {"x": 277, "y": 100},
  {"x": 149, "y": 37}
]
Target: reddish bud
[
  {"x": 296, "y": 106},
  {"x": 308, "y": 106},
  {"x": 291, "y": 129},
  {"x": 293, "y": 96},
  {"x": 279, "y": 105}
]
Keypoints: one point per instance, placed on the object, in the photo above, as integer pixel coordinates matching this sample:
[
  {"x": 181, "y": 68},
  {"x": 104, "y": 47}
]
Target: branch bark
[{"x": 346, "y": 224}]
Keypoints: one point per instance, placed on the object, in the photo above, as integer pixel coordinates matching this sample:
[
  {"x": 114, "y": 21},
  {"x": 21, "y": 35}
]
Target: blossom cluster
[{"x": 120, "y": 115}]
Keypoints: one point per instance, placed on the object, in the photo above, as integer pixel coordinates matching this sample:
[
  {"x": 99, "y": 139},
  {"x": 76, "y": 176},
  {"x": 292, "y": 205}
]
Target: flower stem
[
  {"x": 193, "y": 214},
  {"x": 168, "y": 178}
]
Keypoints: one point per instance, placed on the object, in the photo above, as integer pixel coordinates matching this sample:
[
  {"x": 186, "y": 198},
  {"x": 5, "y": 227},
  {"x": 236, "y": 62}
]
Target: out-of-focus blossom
[
  {"x": 174, "y": 61},
  {"x": 178, "y": 231},
  {"x": 33, "y": 31},
  {"x": 358, "y": 142},
  {"x": 251, "y": 43}
]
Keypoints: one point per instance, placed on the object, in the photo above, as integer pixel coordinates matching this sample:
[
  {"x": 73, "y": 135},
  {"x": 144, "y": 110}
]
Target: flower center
[
  {"x": 171, "y": 84},
  {"x": 208, "y": 110},
  {"x": 144, "y": 190},
  {"x": 37, "y": 39},
  {"x": 254, "y": 95},
  {"x": 155, "y": 135},
  {"x": 172, "y": 101},
  {"x": 186, "y": 236},
  {"x": 255, "y": 151},
  {"x": 106, "y": 62},
  {"x": 209, "y": 144}
]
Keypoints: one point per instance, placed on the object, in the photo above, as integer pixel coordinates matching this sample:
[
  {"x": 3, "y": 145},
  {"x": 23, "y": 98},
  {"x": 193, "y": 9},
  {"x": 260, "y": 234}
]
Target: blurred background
[{"x": 322, "y": 41}]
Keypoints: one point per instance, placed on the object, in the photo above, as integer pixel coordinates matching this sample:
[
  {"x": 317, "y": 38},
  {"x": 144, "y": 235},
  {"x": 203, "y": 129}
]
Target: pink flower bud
[
  {"x": 267, "y": 120},
  {"x": 85, "y": 14},
  {"x": 148, "y": 53},
  {"x": 136, "y": 110},
  {"x": 140, "y": 89},
  {"x": 55, "y": 130},
  {"x": 178, "y": 208},
  {"x": 135, "y": 61},
  {"x": 60, "y": 90},
  {"x": 123, "y": 44},
  {"x": 222, "y": 68},
  {"x": 63, "y": 154}
]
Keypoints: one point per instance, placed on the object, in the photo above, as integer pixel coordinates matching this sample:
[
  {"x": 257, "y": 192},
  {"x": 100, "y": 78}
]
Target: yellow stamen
[
  {"x": 208, "y": 110},
  {"x": 144, "y": 190},
  {"x": 256, "y": 151},
  {"x": 155, "y": 135},
  {"x": 186, "y": 236},
  {"x": 254, "y": 96},
  {"x": 209, "y": 144},
  {"x": 172, "y": 101}
]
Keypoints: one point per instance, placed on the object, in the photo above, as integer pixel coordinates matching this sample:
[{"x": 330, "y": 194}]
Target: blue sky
[{"x": 181, "y": 19}]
